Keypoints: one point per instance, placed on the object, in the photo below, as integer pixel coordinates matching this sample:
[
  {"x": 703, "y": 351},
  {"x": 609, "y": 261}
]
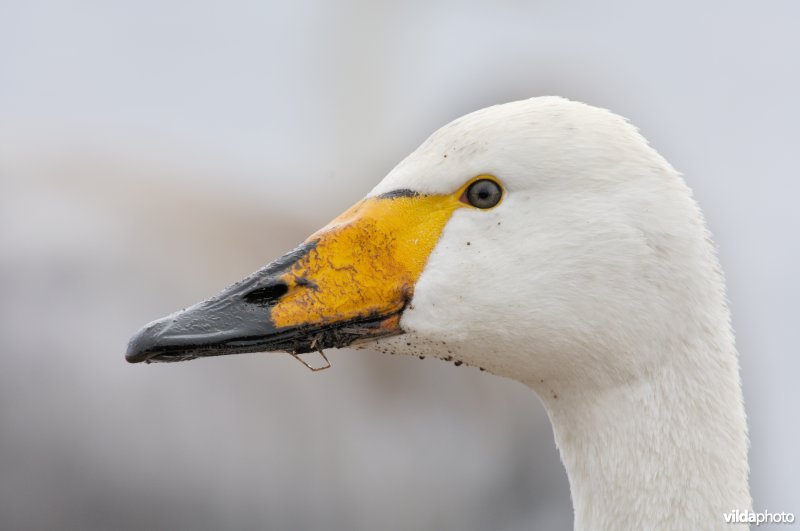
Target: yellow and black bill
[
  {"x": 249, "y": 317},
  {"x": 347, "y": 283}
]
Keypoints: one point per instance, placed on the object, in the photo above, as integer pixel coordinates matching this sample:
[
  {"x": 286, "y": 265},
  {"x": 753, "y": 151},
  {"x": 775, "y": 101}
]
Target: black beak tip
[
  {"x": 144, "y": 344},
  {"x": 136, "y": 352}
]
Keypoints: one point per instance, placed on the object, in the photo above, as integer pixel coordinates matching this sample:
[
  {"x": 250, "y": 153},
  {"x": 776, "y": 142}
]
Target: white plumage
[
  {"x": 595, "y": 283},
  {"x": 589, "y": 276}
]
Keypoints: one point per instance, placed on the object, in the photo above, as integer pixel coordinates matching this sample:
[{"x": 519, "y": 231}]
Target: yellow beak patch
[
  {"x": 364, "y": 263},
  {"x": 348, "y": 283}
]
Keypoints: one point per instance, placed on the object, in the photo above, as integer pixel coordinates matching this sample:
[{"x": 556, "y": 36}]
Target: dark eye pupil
[{"x": 484, "y": 193}]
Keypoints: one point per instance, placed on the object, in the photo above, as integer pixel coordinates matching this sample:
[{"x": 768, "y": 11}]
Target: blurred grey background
[{"x": 152, "y": 152}]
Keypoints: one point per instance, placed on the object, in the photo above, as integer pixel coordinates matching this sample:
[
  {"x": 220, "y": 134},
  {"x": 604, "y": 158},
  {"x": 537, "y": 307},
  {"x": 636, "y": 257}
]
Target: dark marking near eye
[{"x": 403, "y": 192}]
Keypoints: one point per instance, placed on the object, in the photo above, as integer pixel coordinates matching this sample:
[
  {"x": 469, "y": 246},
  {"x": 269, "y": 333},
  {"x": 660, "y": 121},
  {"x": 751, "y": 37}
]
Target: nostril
[{"x": 267, "y": 295}]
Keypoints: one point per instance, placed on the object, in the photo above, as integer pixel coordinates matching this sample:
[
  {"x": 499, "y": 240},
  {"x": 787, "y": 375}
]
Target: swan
[{"x": 542, "y": 240}]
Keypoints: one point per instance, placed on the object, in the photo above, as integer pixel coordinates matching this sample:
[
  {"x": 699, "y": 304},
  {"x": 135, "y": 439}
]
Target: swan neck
[{"x": 665, "y": 450}]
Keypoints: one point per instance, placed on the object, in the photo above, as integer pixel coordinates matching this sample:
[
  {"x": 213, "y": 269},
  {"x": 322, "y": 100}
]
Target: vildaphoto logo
[{"x": 762, "y": 517}]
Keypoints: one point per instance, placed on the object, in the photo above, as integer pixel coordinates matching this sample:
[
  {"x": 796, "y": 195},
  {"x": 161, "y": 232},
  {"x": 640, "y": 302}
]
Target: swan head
[{"x": 539, "y": 239}]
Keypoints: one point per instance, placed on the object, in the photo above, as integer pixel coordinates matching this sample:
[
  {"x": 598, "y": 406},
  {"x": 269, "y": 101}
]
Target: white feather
[{"x": 595, "y": 282}]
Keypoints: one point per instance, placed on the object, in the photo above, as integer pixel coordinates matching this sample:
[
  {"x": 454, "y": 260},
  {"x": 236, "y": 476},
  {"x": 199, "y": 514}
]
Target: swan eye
[{"x": 483, "y": 193}]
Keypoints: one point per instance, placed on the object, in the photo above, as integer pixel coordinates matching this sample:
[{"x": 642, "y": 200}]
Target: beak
[
  {"x": 348, "y": 283},
  {"x": 239, "y": 320}
]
